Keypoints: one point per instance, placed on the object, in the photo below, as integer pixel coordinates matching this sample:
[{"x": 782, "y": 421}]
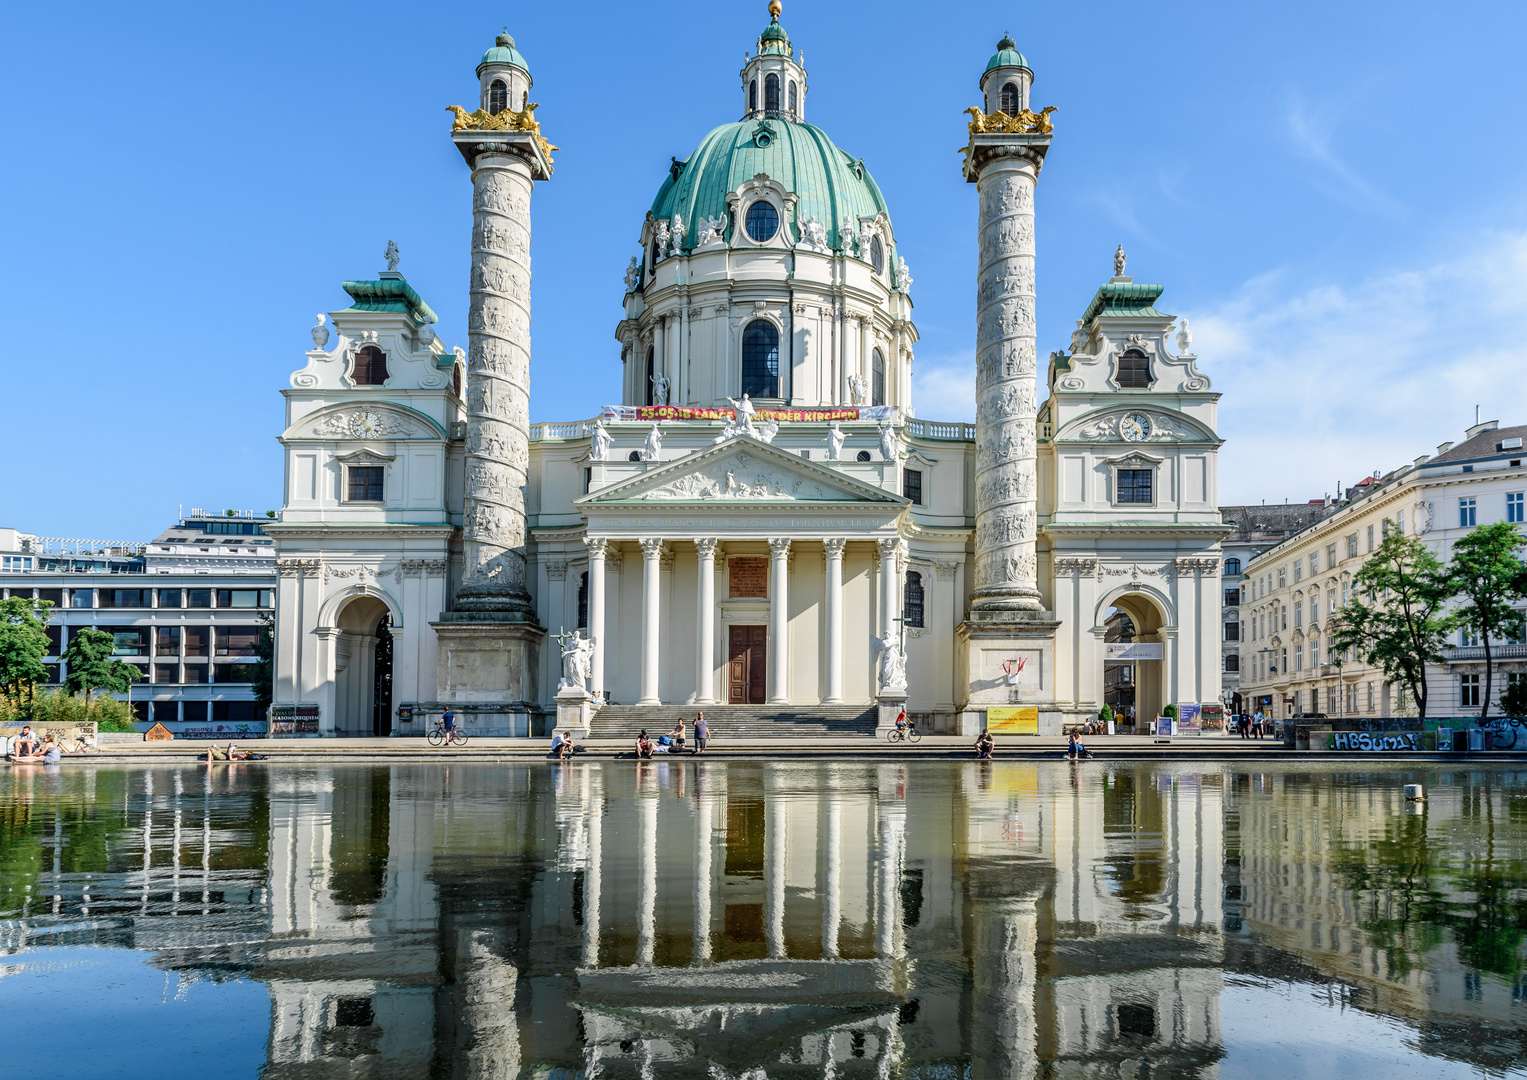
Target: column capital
[
  {"x": 834, "y": 547},
  {"x": 597, "y": 546},
  {"x": 707, "y": 546},
  {"x": 652, "y": 547},
  {"x": 779, "y": 547}
]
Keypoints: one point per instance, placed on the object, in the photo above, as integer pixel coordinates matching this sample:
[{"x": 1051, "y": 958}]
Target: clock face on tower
[{"x": 1135, "y": 427}]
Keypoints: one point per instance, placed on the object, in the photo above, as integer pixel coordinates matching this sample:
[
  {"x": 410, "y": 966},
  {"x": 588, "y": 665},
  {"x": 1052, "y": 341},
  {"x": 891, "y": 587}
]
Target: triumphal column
[
  {"x": 490, "y": 639},
  {"x": 1007, "y": 639}
]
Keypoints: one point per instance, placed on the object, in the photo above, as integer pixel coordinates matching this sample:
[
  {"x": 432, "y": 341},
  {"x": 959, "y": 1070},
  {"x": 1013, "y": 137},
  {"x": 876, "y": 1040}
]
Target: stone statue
[
  {"x": 320, "y": 332},
  {"x": 677, "y": 233},
  {"x": 1078, "y": 338},
  {"x": 846, "y": 236},
  {"x": 599, "y": 443},
  {"x": 814, "y": 234},
  {"x": 835, "y": 442},
  {"x": 577, "y": 651},
  {"x": 765, "y": 431},
  {"x": 660, "y": 238},
  {"x": 893, "y": 664},
  {"x": 744, "y": 410},
  {"x": 903, "y": 275},
  {"x": 1119, "y": 259},
  {"x": 426, "y": 335},
  {"x": 393, "y": 256},
  {"x": 1184, "y": 338},
  {"x": 633, "y": 274},
  {"x": 890, "y": 445},
  {"x": 660, "y": 389},
  {"x": 712, "y": 230},
  {"x": 654, "y": 444},
  {"x": 866, "y": 237},
  {"x": 859, "y": 388}
]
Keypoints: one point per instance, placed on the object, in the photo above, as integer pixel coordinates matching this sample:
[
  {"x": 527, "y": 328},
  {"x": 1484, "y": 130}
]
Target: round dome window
[{"x": 762, "y": 221}]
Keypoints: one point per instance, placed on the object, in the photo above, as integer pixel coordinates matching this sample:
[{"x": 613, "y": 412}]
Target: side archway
[
  {"x": 1138, "y": 614},
  {"x": 359, "y": 623}
]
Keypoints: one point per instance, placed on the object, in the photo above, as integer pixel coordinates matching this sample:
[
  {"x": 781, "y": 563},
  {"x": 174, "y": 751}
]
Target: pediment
[
  {"x": 742, "y": 470},
  {"x": 368, "y": 420},
  {"x": 1164, "y": 426}
]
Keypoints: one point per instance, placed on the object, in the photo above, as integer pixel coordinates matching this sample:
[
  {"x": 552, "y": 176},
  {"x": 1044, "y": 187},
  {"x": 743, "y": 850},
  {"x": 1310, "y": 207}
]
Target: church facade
[{"x": 761, "y": 521}]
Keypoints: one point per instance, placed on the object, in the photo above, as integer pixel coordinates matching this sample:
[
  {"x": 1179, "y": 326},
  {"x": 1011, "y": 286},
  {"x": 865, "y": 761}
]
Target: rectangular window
[
  {"x": 166, "y": 673},
  {"x": 1298, "y": 657},
  {"x": 912, "y": 486},
  {"x": 198, "y": 640},
  {"x": 196, "y": 674},
  {"x": 81, "y": 598},
  {"x": 230, "y": 673},
  {"x": 1232, "y": 664},
  {"x": 1330, "y": 556},
  {"x": 1232, "y": 631},
  {"x": 167, "y": 641},
  {"x": 1298, "y": 613},
  {"x": 51, "y": 596},
  {"x": 1232, "y": 597},
  {"x": 1134, "y": 486},
  {"x": 1330, "y": 600},
  {"x": 244, "y": 598},
  {"x": 1282, "y": 576},
  {"x": 1399, "y": 522},
  {"x": 1466, "y": 514},
  {"x": 365, "y": 483},
  {"x": 237, "y": 640},
  {"x": 130, "y": 640},
  {"x": 1352, "y": 546},
  {"x": 234, "y": 712},
  {"x": 1467, "y": 637},
  {"x": 1298, "y": 569},
  {"x": 1516, "y": 630},
  {"x": 1346, "y": 593},
  {"x": 166, "y": 712},
  {"x": 16, "y": 564},
  {"x": 198, "y": 598},
  {"x": 588, "y": 478},
  {"x": 120, "y": 598},
  {"x": 1370, "y": 697},
  {"x": 55, "y": 640},
  {"x": 170, "y": 597},
  {"x": 1468, "y": 691},
  {"x": 1514, "y": 507},
  {"x": 1370, "y": 537}
]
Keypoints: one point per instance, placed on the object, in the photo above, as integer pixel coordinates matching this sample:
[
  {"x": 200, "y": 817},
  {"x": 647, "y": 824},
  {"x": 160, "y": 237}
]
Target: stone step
[{"x": 737, "y": 721}]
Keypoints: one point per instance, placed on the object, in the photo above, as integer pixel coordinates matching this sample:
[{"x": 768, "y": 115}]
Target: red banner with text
[{"x": 674, "y": 412}]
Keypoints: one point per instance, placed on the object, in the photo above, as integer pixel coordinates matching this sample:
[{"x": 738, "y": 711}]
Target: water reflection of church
[{"x": 726, "y": 920}]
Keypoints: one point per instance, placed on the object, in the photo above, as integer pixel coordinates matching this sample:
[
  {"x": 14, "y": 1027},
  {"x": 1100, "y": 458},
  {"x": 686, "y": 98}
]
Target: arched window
[
  {"x": 651, "y": 371},
  {"x": 792, "y": 96},
  {"x": 877, "y": 378},
  {"x": 656, "y": 255},
  {"x": 498, "y": 97},
  {"x": 771, "y": 93},
  {"x": 760, "y": 359},
  {"x": 456, "y": 379},
  {"x": 762, "y": 221},
  {"x": 1011, "y": 102},
  {"x": 1232, "y": 664},
  {"x": 1134, "y": 370},
  {"x": 583, "y": 601},
  {"x": 1232, "y": 566},
  {"x": 912, "y": 601},
  {"x": 370, "y": 367},
  {"x": 753, "y": 96},
  {"x": 634, "y": 455},
  {"x": 877, "y": 254}
]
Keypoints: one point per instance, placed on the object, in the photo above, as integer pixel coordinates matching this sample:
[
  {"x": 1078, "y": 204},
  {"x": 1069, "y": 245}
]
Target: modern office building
[{"x": 185, "y": 608}]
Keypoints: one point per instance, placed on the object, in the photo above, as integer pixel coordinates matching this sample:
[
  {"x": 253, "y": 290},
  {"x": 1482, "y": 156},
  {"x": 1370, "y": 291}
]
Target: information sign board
[{"x": 1013, "y": 719}]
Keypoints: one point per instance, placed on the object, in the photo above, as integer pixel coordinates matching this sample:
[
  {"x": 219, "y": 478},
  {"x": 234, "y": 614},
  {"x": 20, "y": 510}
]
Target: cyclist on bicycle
[{"x": 901, "y": 722}]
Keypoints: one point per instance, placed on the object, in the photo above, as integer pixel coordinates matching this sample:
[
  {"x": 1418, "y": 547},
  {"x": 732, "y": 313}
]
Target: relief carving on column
[
  {"x": 556, "y": 570},
  {"x": 945, "y": 570}
]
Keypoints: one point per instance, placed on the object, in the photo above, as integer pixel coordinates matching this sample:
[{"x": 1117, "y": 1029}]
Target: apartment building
[
  {"x": 1291, "y": 590},
  {"x": 183, "y": 607}
]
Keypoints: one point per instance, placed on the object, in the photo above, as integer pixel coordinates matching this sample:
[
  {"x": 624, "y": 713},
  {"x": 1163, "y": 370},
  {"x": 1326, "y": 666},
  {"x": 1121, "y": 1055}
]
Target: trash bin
[{"x": 1476, "y": 739}]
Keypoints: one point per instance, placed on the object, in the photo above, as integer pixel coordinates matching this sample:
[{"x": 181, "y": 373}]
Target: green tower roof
[
  {"x": 829, "y": 185},
  {"x": 389, "y": 294},
  {"x": 1007, "y": 55},
  {"x": 1126, "y": 301},
  {"x": 503, "y": 52}
]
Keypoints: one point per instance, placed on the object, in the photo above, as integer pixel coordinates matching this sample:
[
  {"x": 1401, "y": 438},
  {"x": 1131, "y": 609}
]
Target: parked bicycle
[{"x": 444, "y": 736}]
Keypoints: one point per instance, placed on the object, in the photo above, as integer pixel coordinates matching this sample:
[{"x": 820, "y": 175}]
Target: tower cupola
[
  {"x": 774, "y": 78},
  {"x": 504, "y": 75},
  {"x": 1006, "y": 81}
]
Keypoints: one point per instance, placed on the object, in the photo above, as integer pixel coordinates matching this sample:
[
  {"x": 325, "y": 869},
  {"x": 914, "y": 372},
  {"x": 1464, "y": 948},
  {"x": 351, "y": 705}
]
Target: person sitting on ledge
[
  {"x": 46, "y": 753},
  {"x": 1074, "y": 747},
  {"x": 985, "y": 744},
  {"x": 676, "y": 736},
  {"x": 563, "y": 746},
  {"x": 643, "y": 745}
]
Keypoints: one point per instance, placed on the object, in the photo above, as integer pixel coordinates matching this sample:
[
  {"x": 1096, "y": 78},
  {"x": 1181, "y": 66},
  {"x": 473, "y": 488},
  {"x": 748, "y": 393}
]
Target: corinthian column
[{"x": 1006, "y": 402}]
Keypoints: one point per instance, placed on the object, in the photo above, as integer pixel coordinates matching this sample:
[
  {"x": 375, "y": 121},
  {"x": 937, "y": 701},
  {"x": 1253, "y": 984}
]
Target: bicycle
[
  {"x": 441, "y": 737},
  {"x": 899, "y": 733}
]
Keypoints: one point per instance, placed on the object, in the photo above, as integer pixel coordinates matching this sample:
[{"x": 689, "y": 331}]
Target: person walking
[{"x": 702, "y": 733}]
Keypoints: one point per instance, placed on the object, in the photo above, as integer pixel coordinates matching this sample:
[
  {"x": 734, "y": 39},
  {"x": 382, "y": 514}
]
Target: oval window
[{"x": 762, "y": 221}]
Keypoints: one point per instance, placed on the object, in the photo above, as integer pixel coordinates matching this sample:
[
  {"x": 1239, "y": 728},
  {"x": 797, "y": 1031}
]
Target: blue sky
[{"x": 1333, "y": 193}]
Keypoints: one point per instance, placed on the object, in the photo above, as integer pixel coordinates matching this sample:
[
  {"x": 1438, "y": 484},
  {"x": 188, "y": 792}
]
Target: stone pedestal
[
  {"x": 1007, "y": 658},
  {"x": 888, "y": 706},
  {"x": 575, "y": 709},
  {"x": 487, "y": 674}
]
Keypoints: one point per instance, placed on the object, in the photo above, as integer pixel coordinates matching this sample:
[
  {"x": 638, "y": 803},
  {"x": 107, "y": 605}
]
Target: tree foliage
[
  {"x": 1397, "y": 620},
  {"x": 1486, "y": 572},
  {"x": 92, "y": 667},
  {"x": 265, "y": 663},
  {"x": 23, "y": 644}
]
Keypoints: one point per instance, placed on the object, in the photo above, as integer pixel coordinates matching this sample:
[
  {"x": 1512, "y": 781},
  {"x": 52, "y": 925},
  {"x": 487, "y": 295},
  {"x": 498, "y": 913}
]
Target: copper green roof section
[
  {"x": 391, "y": 294},
  {"x": 1126, "y": 301},
  {"x": 503, "y": 52},
  {"x": 828, "y": 184},
  {"x": 1007, "y": 55}
]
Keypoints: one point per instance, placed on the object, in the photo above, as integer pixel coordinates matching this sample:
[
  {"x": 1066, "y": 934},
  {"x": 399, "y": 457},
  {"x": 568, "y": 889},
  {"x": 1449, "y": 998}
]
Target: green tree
[
  {"x": 1487, "y": 573},
  {"x": 92, "y": 667},
  {"x": 1513, "y": 699},
  {"x": 1401, "y": 625},
  {"x": 23, "y": 644},
  {"x": 265, "y": 662}
]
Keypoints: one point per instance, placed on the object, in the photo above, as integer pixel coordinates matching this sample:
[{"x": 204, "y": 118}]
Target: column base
[
  {"x": 888, "y": 706},
  {"x": 490, "y": 667},
  {"x": 1003, "y": 659}
]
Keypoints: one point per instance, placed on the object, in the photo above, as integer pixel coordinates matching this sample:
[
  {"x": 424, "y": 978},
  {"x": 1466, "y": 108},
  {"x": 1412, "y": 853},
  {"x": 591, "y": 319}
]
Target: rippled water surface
[{"x": 727, "y": 921}]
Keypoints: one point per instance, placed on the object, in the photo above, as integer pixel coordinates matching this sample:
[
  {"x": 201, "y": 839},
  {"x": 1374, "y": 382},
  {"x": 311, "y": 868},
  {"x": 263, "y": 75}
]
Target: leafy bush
[
  {"x": 58, "y": 707},
  {"x": 1170, "y": 710},
  {"x": 1105, "y": 714}
]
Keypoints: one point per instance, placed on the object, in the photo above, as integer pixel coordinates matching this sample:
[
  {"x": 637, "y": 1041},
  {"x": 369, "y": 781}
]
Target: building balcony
[{"x": 1455, "y": 653}]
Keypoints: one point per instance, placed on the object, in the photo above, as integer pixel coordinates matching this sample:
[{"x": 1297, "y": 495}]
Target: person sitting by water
[
  {"x": 50, "y": 751},
  {"x": 35, "y": 752},
  {"x": 26, "y": 743},
  {"x": 985, "y": 744},
  {"x": 676, "y": 736},
  {"x": 562, "y": 745},
  {"x": 643, "y": 745},
  {"x": 1074, "y": 747}
]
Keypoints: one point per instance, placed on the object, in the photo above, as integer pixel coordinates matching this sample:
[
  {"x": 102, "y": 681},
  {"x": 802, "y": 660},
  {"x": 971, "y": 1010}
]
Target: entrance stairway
[{"x": 737, "y": 721}]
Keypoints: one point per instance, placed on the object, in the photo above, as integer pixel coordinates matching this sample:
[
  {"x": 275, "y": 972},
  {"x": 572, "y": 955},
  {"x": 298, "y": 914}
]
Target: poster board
[
  {"x": 1213, "y": 717},
  {"x": 1013, "y": 719},
  {"x": 299, "y": 719}
]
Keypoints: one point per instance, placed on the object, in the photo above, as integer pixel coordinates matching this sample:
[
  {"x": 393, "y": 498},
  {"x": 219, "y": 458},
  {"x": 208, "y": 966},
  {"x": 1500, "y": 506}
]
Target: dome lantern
[
  {"x": 504, "y": 76},
  {"x": 774, "y": 78},
  {"x": 1007, "y": 79}
]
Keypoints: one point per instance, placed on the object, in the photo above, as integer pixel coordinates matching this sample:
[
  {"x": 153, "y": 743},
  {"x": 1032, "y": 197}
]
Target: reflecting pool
[{"x": 737, "y": 921}]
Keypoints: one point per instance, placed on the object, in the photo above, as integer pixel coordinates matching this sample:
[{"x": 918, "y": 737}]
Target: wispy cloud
[
  {"x": 944, "y": 387},
  {"x": 1312, "y": 128}
]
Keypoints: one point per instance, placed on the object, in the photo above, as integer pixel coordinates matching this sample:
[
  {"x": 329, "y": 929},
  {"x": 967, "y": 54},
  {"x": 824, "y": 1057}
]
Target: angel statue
[
  {"x": 766, "y": 431},
  {"x": 903, "y": 275},
  {"x": 1184, "y": 339},
  {"x": 633, "y": 274},
  {"x": 712, "y": 229},
  {"x": 660, "y": 386},
  {"x": 660, "y": 239},
  {"x": 577, "y": 652},
  {"x": 859, "y": 387},
  {"x": 1119, "y": 259},
  {"x": 599, "y": 442},
  {"x": 846, "y": 235},
  {"x": 677, "y": 233},
  {"x": 893, "y": 664},
  {"x": 653, "y": 445},
  {"x": 890, "y": 445},
  {"x": 321, "y": 332},
  {"x": 392, "y": 256},
  {"x": 835, "y": 442},
  {"x": 813, "y": 234}
]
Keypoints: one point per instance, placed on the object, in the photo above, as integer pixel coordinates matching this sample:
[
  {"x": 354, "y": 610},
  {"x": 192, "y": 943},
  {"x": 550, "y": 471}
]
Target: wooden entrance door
[{"x": 745, "y": 657}]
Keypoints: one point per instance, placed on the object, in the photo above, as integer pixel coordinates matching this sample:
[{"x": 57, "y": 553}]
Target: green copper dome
[
  {"x": 828, "y": 184},
  {"x": 1007, "y": 55},
  {"x": 503, "y": 52}
]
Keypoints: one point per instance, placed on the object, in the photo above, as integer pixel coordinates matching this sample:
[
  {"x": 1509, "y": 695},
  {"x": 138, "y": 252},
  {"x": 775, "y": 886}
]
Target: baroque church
[{"x": 761, "y": 526}]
